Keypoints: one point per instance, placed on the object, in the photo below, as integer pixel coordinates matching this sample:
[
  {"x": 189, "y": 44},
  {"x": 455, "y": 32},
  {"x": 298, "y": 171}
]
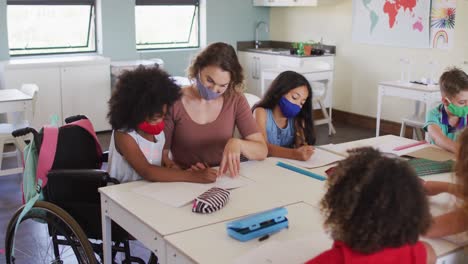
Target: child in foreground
[{"x": 375, "y": 210}]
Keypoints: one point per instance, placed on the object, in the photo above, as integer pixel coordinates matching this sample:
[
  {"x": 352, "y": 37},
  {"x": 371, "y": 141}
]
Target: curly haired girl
[
  {"x": 455, "y": 221},
  {"x": 136, "y": 112},
  {"x": 375, "y": 209}
]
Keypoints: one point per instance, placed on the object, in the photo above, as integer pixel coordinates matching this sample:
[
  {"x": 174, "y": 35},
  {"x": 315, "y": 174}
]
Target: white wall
[{"x": 359, "y": 67}]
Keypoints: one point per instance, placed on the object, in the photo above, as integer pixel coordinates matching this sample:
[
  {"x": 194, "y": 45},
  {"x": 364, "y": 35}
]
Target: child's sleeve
[{"x": 432, "y": 117}]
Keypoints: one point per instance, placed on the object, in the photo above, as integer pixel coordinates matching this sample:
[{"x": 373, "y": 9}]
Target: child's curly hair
[
  {"x": 140, "y": 94},
  {"x": 375, "y": 202}
]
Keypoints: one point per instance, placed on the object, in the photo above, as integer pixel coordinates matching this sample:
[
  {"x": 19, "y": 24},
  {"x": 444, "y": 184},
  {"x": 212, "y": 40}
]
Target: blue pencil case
[{"x": 258, "y": 225}]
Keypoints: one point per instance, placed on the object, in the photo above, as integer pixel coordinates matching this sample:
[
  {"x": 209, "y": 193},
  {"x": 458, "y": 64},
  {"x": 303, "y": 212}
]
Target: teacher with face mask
[{"x": 199, "y": 127}]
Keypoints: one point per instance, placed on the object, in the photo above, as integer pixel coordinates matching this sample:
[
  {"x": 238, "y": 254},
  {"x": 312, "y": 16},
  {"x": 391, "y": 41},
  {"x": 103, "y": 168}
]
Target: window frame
[
  {"x": 91, "y": 24},
  {"x": 196, "y": 12}
]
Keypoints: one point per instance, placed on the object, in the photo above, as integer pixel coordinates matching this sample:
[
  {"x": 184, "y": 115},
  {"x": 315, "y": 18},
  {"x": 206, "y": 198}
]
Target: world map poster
[{"x": 402, "y": 23}]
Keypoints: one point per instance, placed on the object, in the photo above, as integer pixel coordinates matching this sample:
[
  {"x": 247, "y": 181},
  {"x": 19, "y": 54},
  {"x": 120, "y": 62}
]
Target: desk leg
[
  {"x": 106, "y": 231},
  {"x": 379, "y": 110}
]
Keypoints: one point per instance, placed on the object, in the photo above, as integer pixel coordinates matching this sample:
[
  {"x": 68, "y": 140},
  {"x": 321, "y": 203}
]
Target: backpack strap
[
  {"x": 88, "y": 126},
  {"x": 46, "y": 154}
]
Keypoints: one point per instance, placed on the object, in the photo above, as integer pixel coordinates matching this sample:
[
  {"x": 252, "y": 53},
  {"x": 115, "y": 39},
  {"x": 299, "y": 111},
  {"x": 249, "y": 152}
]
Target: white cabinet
[
  {"x": 253, "y": 64},
  {"x": 67, "y": 87},
  {"x": 285, "y": 2},
  {"x": 85, "y": 91}
]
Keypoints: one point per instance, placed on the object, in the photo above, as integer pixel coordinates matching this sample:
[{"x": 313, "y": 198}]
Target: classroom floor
[{"x": 10, "y": 192}]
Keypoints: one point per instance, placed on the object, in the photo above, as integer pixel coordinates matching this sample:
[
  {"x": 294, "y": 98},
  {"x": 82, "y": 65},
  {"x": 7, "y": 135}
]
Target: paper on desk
[
  {"x": 432, "y": 153},
  {"x": 319, "y": 158},
  {"x": 385, "y": 147},
  {"x": 178, "y": 194},
  {"x": 460, "y": 239},
  {"x": 295, "y": 251}
]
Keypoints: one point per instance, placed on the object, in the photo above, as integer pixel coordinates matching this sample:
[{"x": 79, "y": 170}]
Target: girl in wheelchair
[{"x": 137, "y": 108}]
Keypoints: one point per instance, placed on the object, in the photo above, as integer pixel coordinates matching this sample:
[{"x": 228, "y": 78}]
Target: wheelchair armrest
[
  {"x": 105, "y": 156},
  {"x": 76, "y": 185}
]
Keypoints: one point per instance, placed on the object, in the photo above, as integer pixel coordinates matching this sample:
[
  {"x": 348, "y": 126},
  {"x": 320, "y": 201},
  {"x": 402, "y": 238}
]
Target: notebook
[{"x": 428, "y": 167}]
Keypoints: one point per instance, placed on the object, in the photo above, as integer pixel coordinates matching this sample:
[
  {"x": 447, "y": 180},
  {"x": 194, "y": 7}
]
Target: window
[
  {"x": 164, "y": 24},
  {"x": 51, "y": 26}
]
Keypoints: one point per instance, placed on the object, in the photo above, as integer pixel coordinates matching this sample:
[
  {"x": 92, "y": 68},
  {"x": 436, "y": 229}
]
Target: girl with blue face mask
[{"x": 284, "y": 116}]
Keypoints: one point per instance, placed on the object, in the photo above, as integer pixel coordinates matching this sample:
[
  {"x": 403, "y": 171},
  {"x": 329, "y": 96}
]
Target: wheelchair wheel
[{"x": 47, "y": 234}]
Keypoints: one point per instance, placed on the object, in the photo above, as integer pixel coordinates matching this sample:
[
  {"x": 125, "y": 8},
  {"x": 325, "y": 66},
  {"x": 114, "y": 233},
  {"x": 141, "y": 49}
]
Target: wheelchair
[{"x": 66, "y": 224}]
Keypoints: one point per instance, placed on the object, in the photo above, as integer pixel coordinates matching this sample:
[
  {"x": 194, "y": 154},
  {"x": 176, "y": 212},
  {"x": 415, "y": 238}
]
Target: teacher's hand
[{"x": 231, "y": 157}]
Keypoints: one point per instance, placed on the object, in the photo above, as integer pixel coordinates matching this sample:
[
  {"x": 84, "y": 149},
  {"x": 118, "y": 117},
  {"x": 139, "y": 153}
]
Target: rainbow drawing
[{"x": 440, "y": 35}]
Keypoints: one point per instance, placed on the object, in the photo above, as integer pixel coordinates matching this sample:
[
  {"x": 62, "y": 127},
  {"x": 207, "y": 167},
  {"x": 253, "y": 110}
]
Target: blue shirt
[
  {"x": 283, "y": 137},
  {"x": 439, "y": 116}
]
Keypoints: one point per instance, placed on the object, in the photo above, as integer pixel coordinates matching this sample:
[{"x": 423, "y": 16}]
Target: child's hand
[
  {"x": 434, "y": 188},
  {"x": 204, "y": 175},
  {"x": 198, "y": 166},
  {"x": 304, "y": 152},
  {"x": 171, "y": 164}
]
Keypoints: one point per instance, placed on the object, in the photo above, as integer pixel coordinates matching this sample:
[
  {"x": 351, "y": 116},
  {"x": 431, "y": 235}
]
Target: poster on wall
[
  {"x": 443, "y": 23},
  {"x": 402, "y": 23}
]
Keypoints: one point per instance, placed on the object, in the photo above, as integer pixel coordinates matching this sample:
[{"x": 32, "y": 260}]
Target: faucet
[{"x": 259, "y": 24}]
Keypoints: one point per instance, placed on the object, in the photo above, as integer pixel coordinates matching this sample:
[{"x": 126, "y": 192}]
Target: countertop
[{"x": 249, "y": 46}]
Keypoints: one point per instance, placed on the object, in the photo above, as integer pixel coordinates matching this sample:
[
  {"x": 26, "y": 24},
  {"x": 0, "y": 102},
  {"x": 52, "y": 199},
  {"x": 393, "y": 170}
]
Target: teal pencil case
[{"x": 258, "y": 225}]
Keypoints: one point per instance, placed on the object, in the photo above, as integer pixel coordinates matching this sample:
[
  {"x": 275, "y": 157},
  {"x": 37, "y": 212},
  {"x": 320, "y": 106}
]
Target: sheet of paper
[
  {"x": 432, "y": 153},
  {"x": 296, "y": 251},
  {"x": 175, "y": 194},
  {"x": 178, "y": 194},
  {"x": 319, "y": 158},
  {"x": 386, "y": 147},
  {"x": 460, "y": 239}
]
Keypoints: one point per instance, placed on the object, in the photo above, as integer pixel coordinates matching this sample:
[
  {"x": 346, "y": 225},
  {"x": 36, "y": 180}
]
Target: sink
[{"x": 272, "y": 50}]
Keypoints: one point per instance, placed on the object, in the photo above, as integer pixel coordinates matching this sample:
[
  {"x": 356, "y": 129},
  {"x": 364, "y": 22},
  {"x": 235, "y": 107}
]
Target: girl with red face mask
[{"x": 136, "y": 112}]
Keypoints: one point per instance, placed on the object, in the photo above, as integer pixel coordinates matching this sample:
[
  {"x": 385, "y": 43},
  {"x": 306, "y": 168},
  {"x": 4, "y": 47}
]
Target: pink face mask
[{"x": 155, "y": 129}]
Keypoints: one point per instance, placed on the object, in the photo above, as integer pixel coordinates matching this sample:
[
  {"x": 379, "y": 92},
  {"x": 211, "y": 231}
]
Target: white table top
[
  {"x": 272, "y": 187},
  {"x": 411, "y": 86},
  {"x": 10, "y": 95},
  {"x": 211, "y": 244},
  {"x": 166, "y": 219}
]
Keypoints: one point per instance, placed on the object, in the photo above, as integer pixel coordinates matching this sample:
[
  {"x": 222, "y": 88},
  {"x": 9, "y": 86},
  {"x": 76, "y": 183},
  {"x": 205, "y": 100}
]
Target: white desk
[
  {"x": 13, "y": 100},
  {"x": 150, "y": 221},
  {"x": 427, "y": 94},
  {"x": 217, "y": 247},
  {"x": 167, "y": 230}
]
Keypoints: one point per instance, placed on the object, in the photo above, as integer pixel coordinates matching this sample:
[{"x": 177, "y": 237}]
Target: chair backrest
[
  {"x": 252, "y": 99},
  {"x": 31, "y": 90}
]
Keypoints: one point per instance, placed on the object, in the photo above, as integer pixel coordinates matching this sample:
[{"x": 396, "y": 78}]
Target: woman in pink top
[{"x": 199, "y": 126}]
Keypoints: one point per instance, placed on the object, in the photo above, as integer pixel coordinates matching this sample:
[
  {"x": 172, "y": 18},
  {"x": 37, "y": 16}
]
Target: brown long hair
[
  {"x": 461, "y": 170},
  {"x": 223, "y": 56}
]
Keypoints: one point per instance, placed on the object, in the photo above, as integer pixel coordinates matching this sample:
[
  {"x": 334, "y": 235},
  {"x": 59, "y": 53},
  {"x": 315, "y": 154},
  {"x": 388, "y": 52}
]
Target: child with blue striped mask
[{"x": 284, "y": 116}]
